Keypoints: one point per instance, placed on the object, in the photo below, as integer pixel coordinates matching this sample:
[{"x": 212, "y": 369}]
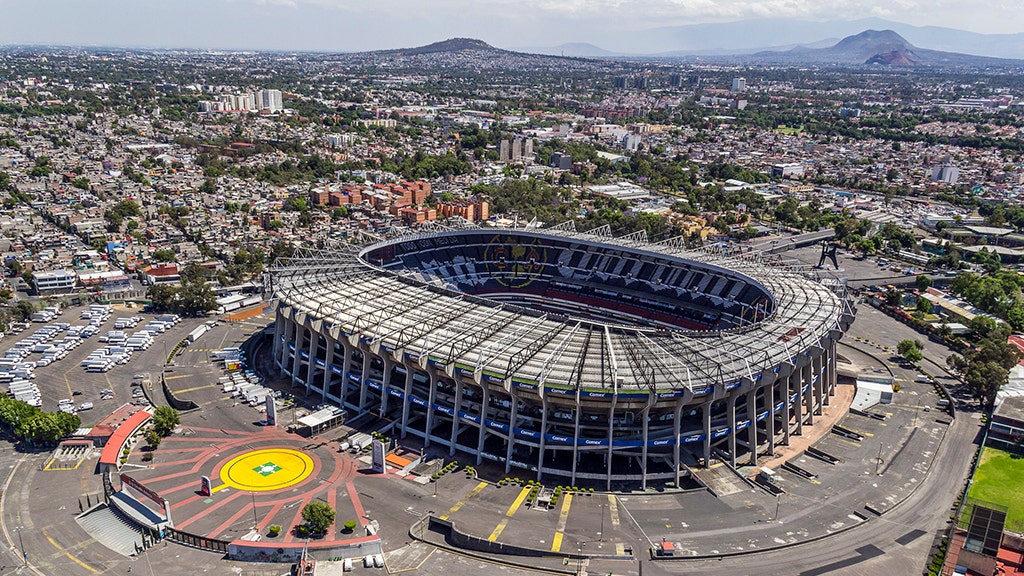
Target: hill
[
  {"x": 450, "y": 45},
  {"x": 757, "y": 35},
  {"x": 876, "y": 47}
]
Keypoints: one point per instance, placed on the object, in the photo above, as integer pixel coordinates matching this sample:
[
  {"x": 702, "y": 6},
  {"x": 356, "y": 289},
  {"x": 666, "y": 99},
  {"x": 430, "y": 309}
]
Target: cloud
[{"x": 373, "y": 24}]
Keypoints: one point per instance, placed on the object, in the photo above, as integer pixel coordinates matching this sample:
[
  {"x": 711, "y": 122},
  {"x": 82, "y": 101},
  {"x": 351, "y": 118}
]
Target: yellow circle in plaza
[{"x": 269, "y": 469}]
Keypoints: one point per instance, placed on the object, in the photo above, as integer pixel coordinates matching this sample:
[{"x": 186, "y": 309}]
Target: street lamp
[
  {"x": 255, "y": 519},
  {"x": 24, "y": 555},
  {"x": 600, "y": 535}
]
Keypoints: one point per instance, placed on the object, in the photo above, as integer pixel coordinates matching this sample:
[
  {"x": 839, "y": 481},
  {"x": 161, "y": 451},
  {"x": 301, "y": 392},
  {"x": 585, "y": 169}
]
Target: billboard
[
  {"x": 271, "y": 411},
  {"x": 378, "y": 456},
  {"x": 134, "y": 484}
]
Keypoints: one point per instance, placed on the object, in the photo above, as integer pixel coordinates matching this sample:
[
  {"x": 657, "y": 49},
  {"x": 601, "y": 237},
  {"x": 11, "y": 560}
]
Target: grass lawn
[
  {"x": 1000, "y": 480},
  {"x": 783, "y": 129}
]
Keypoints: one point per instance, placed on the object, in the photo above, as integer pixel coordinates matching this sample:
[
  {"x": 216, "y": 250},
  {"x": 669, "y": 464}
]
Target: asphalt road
[{"x": 872, "y": 547}]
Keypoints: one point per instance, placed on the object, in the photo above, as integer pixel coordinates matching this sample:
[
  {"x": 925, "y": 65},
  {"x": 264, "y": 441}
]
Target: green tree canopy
[
  {"x": 165, "y": 419},
  {"x": 164, "y": 255},
  {"x": 318, "y": 515},
  {"x": 910, "y": 349},
  {"x": 986, "y": 367}
]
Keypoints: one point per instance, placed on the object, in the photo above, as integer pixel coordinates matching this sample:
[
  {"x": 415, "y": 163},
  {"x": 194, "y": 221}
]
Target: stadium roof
[{"x": 433, "y": 324}]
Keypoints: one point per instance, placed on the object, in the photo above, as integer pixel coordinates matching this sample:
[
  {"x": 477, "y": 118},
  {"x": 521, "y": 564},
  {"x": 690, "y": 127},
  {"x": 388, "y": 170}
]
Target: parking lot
[{"x": 93, "y": 393}]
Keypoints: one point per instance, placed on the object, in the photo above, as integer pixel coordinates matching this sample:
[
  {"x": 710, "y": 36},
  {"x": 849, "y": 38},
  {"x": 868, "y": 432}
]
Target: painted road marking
[
  {"x": 196, "y": 388},
  {"x": 267, "y": 469},
  {"x": 509, "y": 514},
  {"x": 556, "y": 542},
  {"x": 518, "y": 502},
  {"x": 68, "y": 554},
  {"x": 498, "y": 530},
  {"x": 620, "y": 549},
  {"x": 613, "y": 509},
  {"x": 479, "y": 488}
]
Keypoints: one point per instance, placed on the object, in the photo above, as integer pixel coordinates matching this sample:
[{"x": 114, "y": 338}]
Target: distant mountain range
[
  {"x": 875, "y": 47},
  {"x": 776, "y": 35},
  {"x": 870, "y": 47}
]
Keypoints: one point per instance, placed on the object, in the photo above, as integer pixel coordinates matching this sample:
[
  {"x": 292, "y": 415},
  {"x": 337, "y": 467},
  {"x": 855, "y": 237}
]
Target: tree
[
  {"x": 318, "y": 515},
  {"x": 195, "y": 297},
  {"x": 893, "y": 298},
  {"x": 164, "y": 255},
  {"x": 923, "y": 282},
  {"x": 983, "y": 326},
  {"x": 124, "y": 209},
  {"x": 163, "y": 297},
  {"x": 924, "y": 305},
  {"x": 910, "y": 349},
  {"x": 153, "y": 439},
  {"x": 22, "y": 310},
  {"x": 165, "y": 419}
]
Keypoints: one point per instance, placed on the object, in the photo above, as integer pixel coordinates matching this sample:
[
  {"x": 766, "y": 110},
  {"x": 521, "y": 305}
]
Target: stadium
[{"x": 576, "y": 357}]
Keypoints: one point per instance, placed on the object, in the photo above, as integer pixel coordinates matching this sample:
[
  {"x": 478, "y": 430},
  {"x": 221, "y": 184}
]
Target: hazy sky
[{"x": 350, "y": 25}]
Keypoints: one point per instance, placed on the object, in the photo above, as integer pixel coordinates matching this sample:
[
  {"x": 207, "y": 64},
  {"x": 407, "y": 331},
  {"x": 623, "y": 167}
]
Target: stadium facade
[{"x": 574, "y": 356}]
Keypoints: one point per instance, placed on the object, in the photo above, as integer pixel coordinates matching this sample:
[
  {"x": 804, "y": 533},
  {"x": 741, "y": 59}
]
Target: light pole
[
  {"x": 21, "y": 543},
  {"x": 778, "y": 502},
  {"x": 255, "y": 519},
  {"x": 878, "y": 461},
  {"x": 600, "y": 535}
]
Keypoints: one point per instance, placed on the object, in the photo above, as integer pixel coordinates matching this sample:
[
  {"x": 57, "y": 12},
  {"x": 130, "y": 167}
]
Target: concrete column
[
  {"x": 832, "y": 380},
  {"x": 809, "y": 395},
  {"x": 575, "y": 443},
  {"x": 643, "y": 451},
  {"x": 314, "y": 345},
  {"x": 752, "y": 428},
  {"x": 389, "y": 367},
  {"x": 543, "y": 431},
  {"x": 276, "y": 344},
  {"x": 511, "y": 430},
  {"x": 731, "y": 416},
  {"x": 455, "y": 416},
  {"x": 611, "y": 442},
  {"x": 677, "y": 431},
  {"x": 794, "y": 381},
  {"x": 705, "y": 412},
  {"x": 405, "y": 401},
  {"x": 769, "y": 428},
  {"x": 363, "y": 377},
  {"x": 296, "y": 356},
  {"x": 283, "y": 350},
  {"x": 485, "y": 407},
  {"x": 432, "y": 396},
  {"x": 328, "y": 362},
  {"x": 348, "y": 350},
  {"x": 816, "y": 364}
]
